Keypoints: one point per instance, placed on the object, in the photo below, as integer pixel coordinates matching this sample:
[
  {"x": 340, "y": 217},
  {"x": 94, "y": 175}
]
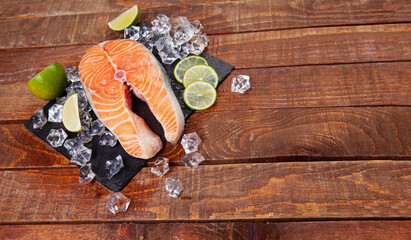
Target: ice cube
[
  {"x": 181, "y": 30},
  {"x": 190, "y": 142},
  {"x": 86, "y": 174},
  {"x": 72, "y": 73},
  {"x": 146, "y": 33},
  {"x": 85, "y": 119},
  {"x": 107, "y": 139},
  {"x": 82, "y": 155},
  {"x": 161, "y": 25},
  {"x": 198, "y": 27},
  {"x": 240, "y": 84},
  {"x": 118, "y": 202},
  {"x": 114, "y": 166},
  {"x": 61, "y": 100},
  {"x": 192, "y": 160},
  {"x": 82, "y": 100},
  {"x": 165, "y": 42},
  {"x": 74, "y": 87},
  {"x": 198, "y": 43},
  {"x": 132, "y": 33},
  {"x": 71, "y": 144},
  {"x": 39, "y": 120},
  {"x": 160, "y": 166},
  {"x": 184, "y": 50},
  {"x": 55, "y": 113},
  {"x": 56, "y": 137},
  {"x": 97, "y": 128},
  {"x": 85, "y": 135},
  {"x": 173, "y": 187},
  {"x": 168, "y": 56},
  {"x": 147, "y": 43}
]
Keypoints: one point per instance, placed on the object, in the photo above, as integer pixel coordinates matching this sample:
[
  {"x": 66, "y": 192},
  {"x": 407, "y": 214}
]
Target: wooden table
[{"x": 318, "y": 148}]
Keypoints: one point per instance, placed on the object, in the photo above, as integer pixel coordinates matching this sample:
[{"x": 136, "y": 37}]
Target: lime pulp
[{"x": 186, "y": 63}]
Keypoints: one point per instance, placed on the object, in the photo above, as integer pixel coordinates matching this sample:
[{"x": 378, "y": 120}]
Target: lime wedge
[
  {"x": 70, "y": 114},
  {"x": 186, "y": 63},
  {"x": 125, "y": 20},
  {"x": 49, "y": 83},
  {"x": 200, "y": 73},
  {"x": 200, "y": 95}
]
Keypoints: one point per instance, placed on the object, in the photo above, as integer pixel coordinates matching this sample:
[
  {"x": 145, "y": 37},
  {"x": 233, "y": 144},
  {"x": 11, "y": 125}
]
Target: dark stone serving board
[{"x": 132, "y": 165}]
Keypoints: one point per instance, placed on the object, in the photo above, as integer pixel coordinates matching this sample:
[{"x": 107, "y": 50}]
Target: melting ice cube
[
  {"x": 56, "y": 137},
  {"x": 118, "y": 202},
  {"x": 39, "y": 120},
  {"x": 114, "y": 166},
  {"x": 192, "y": 160},
  {"x": 160, "y": 166},
  {"x": 240, "y": 84},
  {"x": 173, "y": 187},
  {"x": 190, "y": 142}
]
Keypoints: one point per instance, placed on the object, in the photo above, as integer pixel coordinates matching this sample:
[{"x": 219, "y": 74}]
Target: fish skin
[{"x": 110, "y": 72}]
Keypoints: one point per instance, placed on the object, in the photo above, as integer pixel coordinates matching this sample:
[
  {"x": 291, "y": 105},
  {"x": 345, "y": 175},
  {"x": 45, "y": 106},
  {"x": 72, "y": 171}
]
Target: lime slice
[
  {"x": 200, "y": 95},
  {"x": 200, "y": 73},
  {"x": 125, "y": 20},
  {"x": 186, "y": 63},
  {"x": 49, "y": 83},
  {"x": 70, "y": 114}
]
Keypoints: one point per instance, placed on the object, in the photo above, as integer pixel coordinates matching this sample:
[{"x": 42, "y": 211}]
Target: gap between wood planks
[
  {"x": 260, "y": 220},
  {"x": 284, "y": 159}
]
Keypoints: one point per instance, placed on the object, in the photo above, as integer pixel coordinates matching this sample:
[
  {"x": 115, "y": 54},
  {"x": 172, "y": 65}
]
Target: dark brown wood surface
[
  {"x": 379, "y": 230},
  {"x": 276, "y": 191},
  {"x": 318, "y": 148}
]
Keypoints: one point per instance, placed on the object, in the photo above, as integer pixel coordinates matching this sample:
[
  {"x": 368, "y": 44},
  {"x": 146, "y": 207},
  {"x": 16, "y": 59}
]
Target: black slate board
[{"x": 132, "y": 165}]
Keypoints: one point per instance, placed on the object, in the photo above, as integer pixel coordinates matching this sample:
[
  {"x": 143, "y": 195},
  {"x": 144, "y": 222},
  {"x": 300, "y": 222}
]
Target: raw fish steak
[{"x": 110, "y": 72}]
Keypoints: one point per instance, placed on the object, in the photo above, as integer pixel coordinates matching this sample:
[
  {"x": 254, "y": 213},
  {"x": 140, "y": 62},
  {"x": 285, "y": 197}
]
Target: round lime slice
[
  {"x": 49, "y": 83},
  {"x": 200, "y": 95},
  {"x": 70, "y": 114},
  {"x": 186, "y": 63},
  {"x": 125, "y": 20},
  {"x": 200, "y": 73}
]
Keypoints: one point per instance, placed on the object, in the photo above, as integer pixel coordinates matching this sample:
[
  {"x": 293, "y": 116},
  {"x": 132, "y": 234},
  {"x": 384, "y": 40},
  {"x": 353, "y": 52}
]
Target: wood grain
[
  {"x": 277, "y": 191},
  {"x": 283, "y": 87},
  {"x": 250, "y": 50},
  {"x": 46, "y": 23},
  {"x": 378, "y": 230},
  {"x": 258, "y": 135}
]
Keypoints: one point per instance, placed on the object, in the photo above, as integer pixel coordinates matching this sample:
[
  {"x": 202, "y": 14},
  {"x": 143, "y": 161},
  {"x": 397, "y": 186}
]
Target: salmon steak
[{"x": 113, "y": 70}]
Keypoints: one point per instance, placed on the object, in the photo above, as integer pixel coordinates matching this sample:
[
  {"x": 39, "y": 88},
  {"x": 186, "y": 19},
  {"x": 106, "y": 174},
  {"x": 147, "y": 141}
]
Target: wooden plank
[
  {"x": 258, "y": 135},
  {"x": 333, "y": 45},
  {"x": 366, "y": 84},
  {"x": 276, "y": 191},
  {"x": 82, "y": 22},
  {"x": 214, "y": 231}
]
